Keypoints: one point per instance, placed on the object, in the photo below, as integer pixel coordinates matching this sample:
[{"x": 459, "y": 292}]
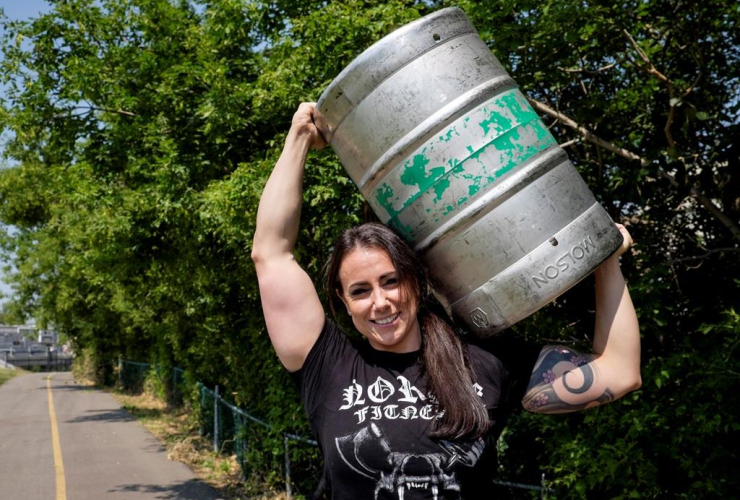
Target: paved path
[{"x": 106, "y": 454}]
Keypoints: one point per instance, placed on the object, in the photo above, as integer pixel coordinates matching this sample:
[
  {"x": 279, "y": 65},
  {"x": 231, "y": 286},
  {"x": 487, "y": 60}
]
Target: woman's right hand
[{"x": 304, "y": 125}]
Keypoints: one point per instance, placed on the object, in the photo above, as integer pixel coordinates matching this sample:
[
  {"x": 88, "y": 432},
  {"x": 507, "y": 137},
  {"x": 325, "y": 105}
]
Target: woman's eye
[
  {"x": 357, "y": 292},
  {"x": 391, "y": 281}
]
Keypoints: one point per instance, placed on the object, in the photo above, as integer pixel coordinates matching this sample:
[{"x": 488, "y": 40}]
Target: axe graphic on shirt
[{"x": 369, "y": 453}]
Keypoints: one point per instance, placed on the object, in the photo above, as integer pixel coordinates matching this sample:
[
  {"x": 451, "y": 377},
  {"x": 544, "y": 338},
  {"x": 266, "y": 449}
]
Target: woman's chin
[
  {"x": 393, "y": 339},
  {"x": 383, "y": 339}
]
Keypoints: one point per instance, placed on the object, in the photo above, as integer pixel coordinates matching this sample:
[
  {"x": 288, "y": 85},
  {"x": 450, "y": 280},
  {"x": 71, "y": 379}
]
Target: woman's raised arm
[
  {"x": 293, "y": 313},
  {"x": 565, "y": 380}
]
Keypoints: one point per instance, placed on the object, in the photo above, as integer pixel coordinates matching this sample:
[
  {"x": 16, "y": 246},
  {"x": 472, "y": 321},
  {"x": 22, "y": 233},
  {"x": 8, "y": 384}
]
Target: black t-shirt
[{"x": 372, "y": 415}]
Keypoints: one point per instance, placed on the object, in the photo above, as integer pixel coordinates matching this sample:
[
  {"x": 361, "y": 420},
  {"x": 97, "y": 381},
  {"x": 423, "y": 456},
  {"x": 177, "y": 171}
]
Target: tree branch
[
  {"x": 629, "y": 155},
  {"x": 707, "y": 254},
  {"x": 106, "y": 110},
  {"x": 652, "y": 70},
  {"x": 708, "y": 204},
  {"x": 693, "y": 84},
  {"x": 588, "y": 71},
  {"x": 585, "y": 133},
  {"x": 570, "y": 142}
]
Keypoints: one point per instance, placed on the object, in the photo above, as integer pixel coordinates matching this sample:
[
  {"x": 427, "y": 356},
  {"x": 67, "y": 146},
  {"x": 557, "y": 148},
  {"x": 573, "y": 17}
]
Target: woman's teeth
[{"x": 388, "y": 320}]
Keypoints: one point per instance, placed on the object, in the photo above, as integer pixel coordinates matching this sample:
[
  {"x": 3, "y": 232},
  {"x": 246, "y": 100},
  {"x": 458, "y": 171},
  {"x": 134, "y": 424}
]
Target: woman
[{"x": 412, "y": 413}]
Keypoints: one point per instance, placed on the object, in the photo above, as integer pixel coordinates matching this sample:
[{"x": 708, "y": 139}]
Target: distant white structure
[
  {"x": 48, "y": 337},
  {"x": 22, "y": 337},
  {"x": 6, "y": 330},
  {"x": 10, "y": 336}
]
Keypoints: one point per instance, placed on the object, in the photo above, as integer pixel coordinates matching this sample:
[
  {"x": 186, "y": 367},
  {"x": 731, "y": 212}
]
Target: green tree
[{"x": 142, "y": 131}]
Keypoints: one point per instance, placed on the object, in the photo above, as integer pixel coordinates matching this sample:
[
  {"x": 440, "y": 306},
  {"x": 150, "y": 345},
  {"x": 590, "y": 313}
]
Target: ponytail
[{"x": 449, "y": 379}]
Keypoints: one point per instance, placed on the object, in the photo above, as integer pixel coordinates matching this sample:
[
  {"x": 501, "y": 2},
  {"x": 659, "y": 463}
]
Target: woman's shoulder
[
  {"x": 332, "y": 337},
  {"x": 483, "y": 360},
  {"x": 478, "y": 352},
  {"x": 329, "y": 345}
]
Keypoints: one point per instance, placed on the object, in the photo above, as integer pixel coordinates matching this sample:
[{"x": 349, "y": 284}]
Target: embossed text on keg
[{"x": 564, "y": 262}]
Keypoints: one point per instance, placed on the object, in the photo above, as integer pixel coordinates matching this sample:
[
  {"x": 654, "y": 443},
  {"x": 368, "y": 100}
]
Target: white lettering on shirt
[
  {"x": 407, "y": 390},
  {"x": 382, "y": 390},
  {"x": 352, "y": 396}
]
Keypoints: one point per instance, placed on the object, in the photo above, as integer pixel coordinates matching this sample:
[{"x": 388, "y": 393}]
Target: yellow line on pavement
[{"x": 58, "y": 464}]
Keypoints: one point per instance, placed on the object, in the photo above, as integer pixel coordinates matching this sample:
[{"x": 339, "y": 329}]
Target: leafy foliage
[{"x": 139, "y": 134}]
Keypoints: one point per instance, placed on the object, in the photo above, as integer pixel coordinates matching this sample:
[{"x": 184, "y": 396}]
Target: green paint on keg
[
  {"x": 513, "y": 151},
  {"x": 384, "y": 195},
  {"x": 440, "y": 187},
  {"x": 416, "y": 174},
  {"x": 496, "y": 120},
  {"x": 404, "y": 230},
  {"x": 502, "y": 121},
  {"x": 514, "y": 104},
  {"x": 448, "y": 136},
  {"x": 473, "y": 184}
]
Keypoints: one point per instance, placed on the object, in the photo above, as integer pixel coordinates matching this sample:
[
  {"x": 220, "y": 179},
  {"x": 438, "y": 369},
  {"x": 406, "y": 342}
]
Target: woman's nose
[{"x": 380, "y": 300}]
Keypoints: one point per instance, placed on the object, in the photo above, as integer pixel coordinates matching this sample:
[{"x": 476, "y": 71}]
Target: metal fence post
[
  {"x": 288, "y": 492},
  {"x": 174, "y": 386},
  {"x": 544, "y": 490},
  {"x": 215, "y": 421},
  {"x": 202, "y": 408}
]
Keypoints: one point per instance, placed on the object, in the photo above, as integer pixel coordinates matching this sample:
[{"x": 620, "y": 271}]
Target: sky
[
  {"x": 20, "y": 10},
  {"x": 23, "y": 9}
]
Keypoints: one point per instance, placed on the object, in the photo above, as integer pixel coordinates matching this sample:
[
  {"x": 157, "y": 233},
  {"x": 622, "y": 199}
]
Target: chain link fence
[{"x": 234, "y": 431}]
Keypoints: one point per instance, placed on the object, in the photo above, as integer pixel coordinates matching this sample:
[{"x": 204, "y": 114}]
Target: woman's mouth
[{"x": 386, "y": 321}]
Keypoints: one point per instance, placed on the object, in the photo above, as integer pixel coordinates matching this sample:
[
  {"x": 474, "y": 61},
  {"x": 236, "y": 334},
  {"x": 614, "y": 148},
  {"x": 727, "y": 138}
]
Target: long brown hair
[{"x": 445, "y": 356}]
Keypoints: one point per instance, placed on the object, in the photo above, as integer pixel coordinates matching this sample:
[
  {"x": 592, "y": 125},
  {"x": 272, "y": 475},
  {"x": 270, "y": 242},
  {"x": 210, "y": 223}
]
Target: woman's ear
[{"x": 341, "y": 296}]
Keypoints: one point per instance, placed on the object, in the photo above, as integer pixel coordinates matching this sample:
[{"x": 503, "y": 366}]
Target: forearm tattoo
[{"x": 565, "y": 380}]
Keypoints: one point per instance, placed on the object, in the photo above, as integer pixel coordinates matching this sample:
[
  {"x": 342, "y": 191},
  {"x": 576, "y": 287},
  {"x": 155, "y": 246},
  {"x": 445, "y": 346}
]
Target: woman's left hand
[{"x": 627, "y": 242}]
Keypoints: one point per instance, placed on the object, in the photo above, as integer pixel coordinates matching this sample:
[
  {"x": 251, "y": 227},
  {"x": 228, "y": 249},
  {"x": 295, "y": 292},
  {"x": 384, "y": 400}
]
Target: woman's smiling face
[{"x": 380, "y": 308}]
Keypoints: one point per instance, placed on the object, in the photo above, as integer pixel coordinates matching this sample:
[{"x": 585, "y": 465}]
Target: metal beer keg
[{"x": 448, "y": 152}]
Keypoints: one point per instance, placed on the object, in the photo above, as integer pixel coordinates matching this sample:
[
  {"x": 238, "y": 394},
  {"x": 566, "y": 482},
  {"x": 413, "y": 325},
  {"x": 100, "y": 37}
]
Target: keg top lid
[{"x": 385, "y": 57}]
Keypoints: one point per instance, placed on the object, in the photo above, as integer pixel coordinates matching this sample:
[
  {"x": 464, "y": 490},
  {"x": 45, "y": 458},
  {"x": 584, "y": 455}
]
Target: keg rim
[{"x": 385, "y": 45}]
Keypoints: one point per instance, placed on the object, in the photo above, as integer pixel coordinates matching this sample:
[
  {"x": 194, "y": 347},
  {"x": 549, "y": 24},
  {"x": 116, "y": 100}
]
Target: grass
[
  {"x": 177, "y": 430},
  {"x": 6, "y": 375}
]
